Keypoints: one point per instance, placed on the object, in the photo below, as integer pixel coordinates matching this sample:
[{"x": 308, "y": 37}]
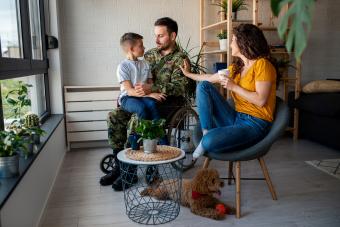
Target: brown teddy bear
[{"x": 197, "y": 194}]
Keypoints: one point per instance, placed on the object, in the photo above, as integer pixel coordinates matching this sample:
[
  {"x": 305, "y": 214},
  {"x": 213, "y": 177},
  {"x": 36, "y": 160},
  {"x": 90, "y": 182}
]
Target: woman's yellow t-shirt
[{"x": 261, "y": 70}]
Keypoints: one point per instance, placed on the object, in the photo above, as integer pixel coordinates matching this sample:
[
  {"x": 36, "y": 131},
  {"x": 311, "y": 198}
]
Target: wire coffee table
[{"x": 140, "y": 175}]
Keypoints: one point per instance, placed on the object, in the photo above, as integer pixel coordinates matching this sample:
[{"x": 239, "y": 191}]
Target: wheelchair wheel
[
  {"x": 107, "y": 163},
  {"x": 180, "y": 134}
]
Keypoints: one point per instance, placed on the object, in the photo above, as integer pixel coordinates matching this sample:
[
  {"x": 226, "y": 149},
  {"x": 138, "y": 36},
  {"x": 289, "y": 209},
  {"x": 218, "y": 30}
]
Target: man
[{"x": 165, "y": 61}]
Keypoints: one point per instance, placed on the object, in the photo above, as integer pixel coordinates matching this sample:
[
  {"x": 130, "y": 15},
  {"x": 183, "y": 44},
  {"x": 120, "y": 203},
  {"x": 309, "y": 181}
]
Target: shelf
[
  {"x": 215, "y": 52},
  {"x": 220, "y": 24},
  {"x": 268, "y": 28}
]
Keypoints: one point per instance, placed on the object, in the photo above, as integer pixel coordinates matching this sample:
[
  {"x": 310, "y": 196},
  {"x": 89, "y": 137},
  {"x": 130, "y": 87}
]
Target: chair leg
[
  {"x": 266, "y": 176},
  {"x": 238, "y": 189},
  {"x": 230, "y": 172},
  {"x": 206, "y": 163}
]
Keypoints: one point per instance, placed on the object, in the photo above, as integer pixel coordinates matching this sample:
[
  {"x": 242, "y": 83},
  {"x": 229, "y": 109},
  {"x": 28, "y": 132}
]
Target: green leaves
[
  {"x": 18, "y": 98},
  {"x": 300, "y": 16},
  {"x": 237, "y": 5},
  {"x": 148, "y": 129}
]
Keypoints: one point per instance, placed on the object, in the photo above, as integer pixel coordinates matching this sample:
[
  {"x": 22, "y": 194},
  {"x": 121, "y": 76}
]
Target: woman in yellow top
[{"x": 252, "y": 82}]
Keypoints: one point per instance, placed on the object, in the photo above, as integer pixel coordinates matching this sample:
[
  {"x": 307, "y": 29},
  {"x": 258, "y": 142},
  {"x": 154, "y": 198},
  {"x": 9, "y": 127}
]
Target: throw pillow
[{"x": 318, "y": 86}]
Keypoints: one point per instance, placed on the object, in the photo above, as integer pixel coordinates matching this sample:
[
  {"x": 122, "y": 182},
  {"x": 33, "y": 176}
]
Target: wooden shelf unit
[{"x": 226, "y": 24}]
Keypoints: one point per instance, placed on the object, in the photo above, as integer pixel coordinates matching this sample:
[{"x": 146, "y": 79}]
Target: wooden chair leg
[
  {"x": 206, "y": 163},
  {"x": 230, "y": 172},
  {"x": 266, "y": 176},
  {"x": 238, "y": 189}
]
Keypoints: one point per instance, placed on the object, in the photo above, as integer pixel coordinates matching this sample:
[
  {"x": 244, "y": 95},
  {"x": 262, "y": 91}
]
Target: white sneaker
[{"x": 197, "y": 154}]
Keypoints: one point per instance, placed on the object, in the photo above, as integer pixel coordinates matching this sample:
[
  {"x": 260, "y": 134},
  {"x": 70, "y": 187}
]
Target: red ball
[{"x": 221, "y": 209}]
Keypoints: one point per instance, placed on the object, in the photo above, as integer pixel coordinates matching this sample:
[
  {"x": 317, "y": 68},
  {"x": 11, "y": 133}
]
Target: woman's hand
[
  {"x": 228, "y": 83},
  {"x": 185, "y": 68},
  {"x": 158, "y": 96}
]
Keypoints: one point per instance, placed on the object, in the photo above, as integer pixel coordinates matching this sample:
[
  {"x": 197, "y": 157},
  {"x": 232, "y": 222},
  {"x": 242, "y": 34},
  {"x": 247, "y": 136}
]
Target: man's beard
[{"x": 165, "y": 47}]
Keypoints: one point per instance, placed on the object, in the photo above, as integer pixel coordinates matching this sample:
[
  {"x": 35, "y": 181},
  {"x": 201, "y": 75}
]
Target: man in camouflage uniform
[{"x": 164, "y": 62}]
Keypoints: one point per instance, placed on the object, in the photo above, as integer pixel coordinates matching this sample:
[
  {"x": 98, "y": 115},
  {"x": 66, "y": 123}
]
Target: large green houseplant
[{"x": 150, "y": 131}]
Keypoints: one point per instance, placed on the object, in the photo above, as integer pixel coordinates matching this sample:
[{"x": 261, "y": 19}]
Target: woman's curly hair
[{"x": 252, "y": 44}]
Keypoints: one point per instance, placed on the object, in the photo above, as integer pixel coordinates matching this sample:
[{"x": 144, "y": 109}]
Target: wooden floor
[{"x": 306, "y": 196}]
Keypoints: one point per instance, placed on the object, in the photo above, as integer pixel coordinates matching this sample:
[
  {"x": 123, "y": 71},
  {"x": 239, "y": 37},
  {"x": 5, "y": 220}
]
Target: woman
[{"x": 252, "y": 82}]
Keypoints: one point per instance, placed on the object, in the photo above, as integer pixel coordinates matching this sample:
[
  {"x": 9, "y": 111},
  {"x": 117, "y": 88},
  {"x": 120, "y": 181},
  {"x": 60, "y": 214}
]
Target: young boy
[{"x": 132, "y": 72}]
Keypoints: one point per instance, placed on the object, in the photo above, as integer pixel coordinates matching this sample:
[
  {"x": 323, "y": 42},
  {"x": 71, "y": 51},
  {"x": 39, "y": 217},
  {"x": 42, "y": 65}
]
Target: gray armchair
[{"x": 256, "y": 151}]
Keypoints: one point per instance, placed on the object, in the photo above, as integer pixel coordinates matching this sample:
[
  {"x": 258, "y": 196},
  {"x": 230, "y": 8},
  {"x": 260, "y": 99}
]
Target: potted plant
[
  {"x": 223, "y": 39},
  {"x": 237, "y": 5},
  {"x": 32, "y": 125},
  {"x": 10, "y": 143},
  {"x": 17, "y": 128},
  {"x": 150, "y": 132}
]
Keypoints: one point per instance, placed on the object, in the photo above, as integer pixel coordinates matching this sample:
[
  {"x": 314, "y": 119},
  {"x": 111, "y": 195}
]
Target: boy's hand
[
  {"x": 143, "y": 88},
  {"x": 158, "y": 96}
]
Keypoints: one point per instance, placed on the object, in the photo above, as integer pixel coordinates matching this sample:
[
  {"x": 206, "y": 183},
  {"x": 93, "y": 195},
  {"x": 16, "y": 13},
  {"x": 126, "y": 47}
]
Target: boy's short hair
[
  {"x": 169, "y": 23},
  {"x": 130, "y": 38}
]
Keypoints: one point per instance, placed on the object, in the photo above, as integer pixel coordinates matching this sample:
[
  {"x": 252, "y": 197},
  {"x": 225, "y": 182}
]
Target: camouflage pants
[{"x": 120, "y": 123}]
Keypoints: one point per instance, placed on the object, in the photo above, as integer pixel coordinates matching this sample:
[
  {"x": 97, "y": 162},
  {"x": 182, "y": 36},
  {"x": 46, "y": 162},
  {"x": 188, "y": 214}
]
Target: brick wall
[{"x": 91, "y": 30}]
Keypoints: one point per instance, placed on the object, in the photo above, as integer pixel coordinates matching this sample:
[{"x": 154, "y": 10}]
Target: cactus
[{"x": 31, "y": 120}]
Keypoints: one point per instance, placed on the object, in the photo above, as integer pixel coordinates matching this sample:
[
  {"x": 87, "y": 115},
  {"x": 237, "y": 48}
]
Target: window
[
  {"x": 23, "y": 55},
  {"x": 10, "y": 29},
  {"x": 35, "y": 29},
  {"x": 36, "y": 94}
]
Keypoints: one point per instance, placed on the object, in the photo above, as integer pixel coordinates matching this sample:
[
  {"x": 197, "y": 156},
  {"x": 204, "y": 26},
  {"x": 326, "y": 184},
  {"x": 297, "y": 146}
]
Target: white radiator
[{"x": 86, "y": 110}]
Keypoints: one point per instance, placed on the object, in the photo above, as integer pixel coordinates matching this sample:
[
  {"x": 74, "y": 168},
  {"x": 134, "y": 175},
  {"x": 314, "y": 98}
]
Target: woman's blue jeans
[
  {"x": 144, "y": 107},
  {"x": 227, "y": 129}
]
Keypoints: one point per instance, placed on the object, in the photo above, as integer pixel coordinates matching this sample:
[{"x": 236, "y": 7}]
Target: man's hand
[
  {"x": 143, "y": 88},
  {"x": 158, "y": 96}
]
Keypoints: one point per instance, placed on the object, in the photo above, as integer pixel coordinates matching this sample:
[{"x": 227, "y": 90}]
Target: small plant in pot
[
  {"x": 17, "y": 128},
  {"x": 237, "y": 5},
  {"x": 150, "y": 132},
  {"x": 32, "y": 125},
  {"x": 223, "y": 39},
  {"x": 10, "y": 143}
]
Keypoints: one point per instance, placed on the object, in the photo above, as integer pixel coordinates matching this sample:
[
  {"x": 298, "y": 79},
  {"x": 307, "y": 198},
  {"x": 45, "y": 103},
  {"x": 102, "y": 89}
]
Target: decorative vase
[
  {"x": 149, "y": 145},
  {"x": 9, "y": 166},
  {"x": 223, "y": 44},
  {"x": 234, "y": 16},
  {"x": 29, "y": 147},
  {"x": 133, "y": 140},
  {"x": 36, "y": 138}
]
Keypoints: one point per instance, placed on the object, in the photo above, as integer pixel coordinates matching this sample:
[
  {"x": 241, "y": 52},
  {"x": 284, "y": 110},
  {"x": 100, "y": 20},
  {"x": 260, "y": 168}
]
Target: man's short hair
[
  {"x": 169, "y": 23},
  {"x": 130, "y": 38}
]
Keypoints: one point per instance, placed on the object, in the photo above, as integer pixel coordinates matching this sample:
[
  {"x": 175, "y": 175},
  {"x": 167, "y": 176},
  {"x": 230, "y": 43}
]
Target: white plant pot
[
  {"x": 150, "y": 146},
  {"x": 223, "y": 44}
]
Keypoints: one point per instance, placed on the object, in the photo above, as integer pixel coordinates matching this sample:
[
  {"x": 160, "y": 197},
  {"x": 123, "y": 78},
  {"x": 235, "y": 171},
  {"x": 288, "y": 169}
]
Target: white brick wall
[{"x": 91, "y": 30}]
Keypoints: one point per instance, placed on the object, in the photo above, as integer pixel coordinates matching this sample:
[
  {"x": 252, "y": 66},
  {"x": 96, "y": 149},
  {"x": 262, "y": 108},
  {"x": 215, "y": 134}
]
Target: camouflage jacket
[{"x": 168, "y": 77}]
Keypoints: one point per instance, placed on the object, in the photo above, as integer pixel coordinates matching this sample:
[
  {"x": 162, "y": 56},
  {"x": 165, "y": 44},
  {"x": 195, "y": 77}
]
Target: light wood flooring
[{"x": 306, "y": 196}]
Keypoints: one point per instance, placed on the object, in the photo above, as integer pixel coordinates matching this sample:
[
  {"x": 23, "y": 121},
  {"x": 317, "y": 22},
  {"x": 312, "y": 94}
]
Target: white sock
[{"x": 199, "y": 151}]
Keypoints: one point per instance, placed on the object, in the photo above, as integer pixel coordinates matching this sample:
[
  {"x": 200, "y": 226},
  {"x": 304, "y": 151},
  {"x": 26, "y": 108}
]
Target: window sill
[{"x": 7, "y": 185}]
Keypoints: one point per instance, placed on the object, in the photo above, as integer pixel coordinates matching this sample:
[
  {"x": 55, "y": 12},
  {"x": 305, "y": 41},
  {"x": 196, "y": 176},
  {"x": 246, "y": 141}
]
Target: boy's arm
[{"x": 131, "y": 91}]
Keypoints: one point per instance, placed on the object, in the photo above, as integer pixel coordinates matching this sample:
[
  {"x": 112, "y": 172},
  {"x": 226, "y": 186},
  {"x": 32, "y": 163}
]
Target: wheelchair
[{"x": 181, "y": 127}]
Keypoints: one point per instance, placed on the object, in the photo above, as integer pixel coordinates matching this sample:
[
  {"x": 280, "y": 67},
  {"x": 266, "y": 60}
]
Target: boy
[{"x": 132, "y": 72}]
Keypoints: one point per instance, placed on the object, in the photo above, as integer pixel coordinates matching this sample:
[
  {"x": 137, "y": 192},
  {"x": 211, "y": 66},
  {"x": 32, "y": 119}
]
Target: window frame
[{"x": 11, "y": 68}]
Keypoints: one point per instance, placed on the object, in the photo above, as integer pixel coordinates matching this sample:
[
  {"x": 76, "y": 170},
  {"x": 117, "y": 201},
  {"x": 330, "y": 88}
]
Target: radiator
[{"x": 86, "y": 109}]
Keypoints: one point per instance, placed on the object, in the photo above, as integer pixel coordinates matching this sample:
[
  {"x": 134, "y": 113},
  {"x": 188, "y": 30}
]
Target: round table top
[{"x": 123, "y": 158}]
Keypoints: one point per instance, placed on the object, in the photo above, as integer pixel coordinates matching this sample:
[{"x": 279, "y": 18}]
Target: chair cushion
[{"x": 319, "y": 86}]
